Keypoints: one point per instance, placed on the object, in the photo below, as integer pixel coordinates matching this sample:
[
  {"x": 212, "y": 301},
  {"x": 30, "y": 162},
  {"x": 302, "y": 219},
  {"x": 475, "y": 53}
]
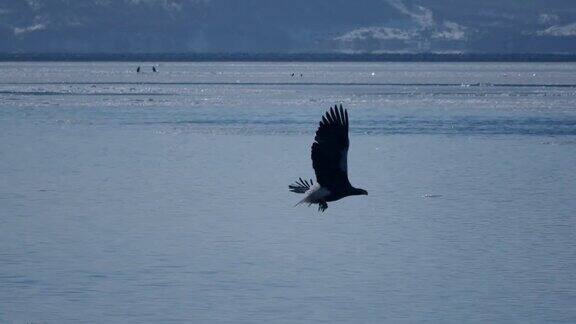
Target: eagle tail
[{"x": 301, "y": 186}]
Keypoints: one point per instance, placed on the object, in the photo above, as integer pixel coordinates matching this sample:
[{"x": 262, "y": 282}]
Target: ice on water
[{"x": 155, "y": 197}]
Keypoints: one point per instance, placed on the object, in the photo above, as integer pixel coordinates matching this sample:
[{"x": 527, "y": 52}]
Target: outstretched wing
[{"x": 330, "y": 150}]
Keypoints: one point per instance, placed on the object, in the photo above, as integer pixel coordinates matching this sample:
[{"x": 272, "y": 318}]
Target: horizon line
[{"x": 290, "y": 57}]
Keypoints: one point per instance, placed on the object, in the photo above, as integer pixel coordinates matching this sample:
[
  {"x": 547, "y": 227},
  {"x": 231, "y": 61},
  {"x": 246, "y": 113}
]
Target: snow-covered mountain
[{"x": 297, "y": 26}]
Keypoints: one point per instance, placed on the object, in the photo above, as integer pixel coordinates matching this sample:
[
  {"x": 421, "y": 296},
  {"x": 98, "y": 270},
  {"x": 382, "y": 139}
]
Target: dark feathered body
[{"x": 330, "y": 162}]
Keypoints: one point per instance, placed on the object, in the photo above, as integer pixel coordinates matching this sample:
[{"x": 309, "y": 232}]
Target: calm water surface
[{"x": 163, "y": 197}]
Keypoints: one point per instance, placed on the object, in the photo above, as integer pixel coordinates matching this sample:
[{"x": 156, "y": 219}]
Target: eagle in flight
[{"x": 330, "y": 163}]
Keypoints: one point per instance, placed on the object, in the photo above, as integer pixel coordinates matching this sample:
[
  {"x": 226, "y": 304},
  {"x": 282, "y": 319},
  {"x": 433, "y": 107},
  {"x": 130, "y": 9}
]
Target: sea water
[{"x": 159, "y": 197}]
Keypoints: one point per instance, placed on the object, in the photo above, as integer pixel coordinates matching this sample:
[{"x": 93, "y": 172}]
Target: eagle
[{"x": 330, "y": 163}]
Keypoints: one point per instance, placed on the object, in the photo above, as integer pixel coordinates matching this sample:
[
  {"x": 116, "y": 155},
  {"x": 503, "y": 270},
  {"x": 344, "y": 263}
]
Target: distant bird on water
[
  {"x": 154, "y": 69},
  {"x": 138, "y": 70},
  {"x": 330, "y": 163}
]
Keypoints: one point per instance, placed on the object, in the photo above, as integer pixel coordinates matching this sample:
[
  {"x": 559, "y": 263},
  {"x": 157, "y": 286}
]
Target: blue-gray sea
[{"x": 162, "y": 197}]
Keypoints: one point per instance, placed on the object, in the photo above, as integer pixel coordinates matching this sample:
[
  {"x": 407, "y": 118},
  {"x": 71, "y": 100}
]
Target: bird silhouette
[{"x": 330, "y": 163}]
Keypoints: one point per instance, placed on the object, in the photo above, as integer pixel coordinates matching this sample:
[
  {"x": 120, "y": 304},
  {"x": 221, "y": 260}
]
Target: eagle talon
[{"x": 322, "y": 206}]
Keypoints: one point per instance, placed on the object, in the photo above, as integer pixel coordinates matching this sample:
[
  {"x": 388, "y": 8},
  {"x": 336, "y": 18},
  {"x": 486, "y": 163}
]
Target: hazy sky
[{"x": 116, "y": 26}]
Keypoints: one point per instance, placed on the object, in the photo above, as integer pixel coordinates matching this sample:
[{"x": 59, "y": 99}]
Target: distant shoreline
[{"x": 272, "y": 57}]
